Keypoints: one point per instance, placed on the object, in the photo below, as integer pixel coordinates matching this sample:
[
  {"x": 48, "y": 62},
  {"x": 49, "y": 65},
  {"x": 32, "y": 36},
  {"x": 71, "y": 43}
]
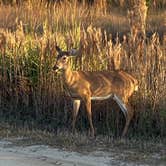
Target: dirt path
[{"x": 42, "y": 155}]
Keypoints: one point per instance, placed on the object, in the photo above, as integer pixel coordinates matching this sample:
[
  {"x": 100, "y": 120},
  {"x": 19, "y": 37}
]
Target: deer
[{"x": 86, "y": 86}]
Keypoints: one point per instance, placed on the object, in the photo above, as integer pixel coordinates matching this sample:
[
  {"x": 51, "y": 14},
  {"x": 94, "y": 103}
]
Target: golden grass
[{"x": 28, "y": 36}]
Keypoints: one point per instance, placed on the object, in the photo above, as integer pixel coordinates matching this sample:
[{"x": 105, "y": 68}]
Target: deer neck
[{"x": 68, "y": 76}]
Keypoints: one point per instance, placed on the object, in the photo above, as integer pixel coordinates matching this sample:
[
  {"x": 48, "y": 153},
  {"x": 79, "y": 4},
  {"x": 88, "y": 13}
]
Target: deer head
[{"x": 62, "y": 59}]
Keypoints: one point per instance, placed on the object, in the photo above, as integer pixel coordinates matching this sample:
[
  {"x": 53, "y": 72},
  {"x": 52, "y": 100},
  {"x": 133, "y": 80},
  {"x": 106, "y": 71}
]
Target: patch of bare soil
[{"x": 18, "y": 152}]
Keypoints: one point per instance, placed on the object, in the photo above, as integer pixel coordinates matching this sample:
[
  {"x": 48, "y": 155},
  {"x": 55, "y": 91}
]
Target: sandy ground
[{"x": 42, "y": 155}]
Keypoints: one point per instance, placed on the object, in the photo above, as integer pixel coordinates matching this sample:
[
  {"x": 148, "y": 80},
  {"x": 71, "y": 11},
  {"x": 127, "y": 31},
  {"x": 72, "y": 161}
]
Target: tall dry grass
[{"x": 31, "y": 94}]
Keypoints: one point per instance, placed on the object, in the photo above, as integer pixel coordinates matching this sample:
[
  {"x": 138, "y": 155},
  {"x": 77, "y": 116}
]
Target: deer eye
[{"x": 64, "y": 58}]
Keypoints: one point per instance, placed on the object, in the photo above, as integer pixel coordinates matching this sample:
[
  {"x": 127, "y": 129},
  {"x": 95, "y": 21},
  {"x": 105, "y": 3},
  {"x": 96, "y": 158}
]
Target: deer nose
[{"x": 55, "y": 68}]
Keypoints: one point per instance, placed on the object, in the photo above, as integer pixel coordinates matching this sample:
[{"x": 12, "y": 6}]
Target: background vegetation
[{"x": 33, "y": 96}]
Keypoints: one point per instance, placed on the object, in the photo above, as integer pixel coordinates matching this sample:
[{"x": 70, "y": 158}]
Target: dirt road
[{"x": 42, "y": 155}]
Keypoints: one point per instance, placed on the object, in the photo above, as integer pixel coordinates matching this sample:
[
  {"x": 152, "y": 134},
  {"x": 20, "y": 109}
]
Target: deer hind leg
[
  {"x": 76, "y": 106},
  {"x": 127, "y": 111},
  {"x": 130, "y": 113}
]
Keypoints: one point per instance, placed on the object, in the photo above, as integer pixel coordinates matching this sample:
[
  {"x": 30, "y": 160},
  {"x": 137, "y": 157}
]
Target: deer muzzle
[{"x": 55, "y": 68}]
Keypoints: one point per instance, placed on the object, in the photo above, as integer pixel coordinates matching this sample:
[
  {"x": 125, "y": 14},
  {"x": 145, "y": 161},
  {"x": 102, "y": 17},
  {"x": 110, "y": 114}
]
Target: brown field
[{"x": 32, "y": 95}]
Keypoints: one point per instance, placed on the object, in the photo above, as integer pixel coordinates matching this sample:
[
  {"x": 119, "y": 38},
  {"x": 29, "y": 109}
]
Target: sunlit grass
[{"x": 30, "y": 90}]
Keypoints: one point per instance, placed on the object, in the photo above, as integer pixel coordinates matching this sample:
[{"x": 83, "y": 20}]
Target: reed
[{"x": 32, "y": 94}]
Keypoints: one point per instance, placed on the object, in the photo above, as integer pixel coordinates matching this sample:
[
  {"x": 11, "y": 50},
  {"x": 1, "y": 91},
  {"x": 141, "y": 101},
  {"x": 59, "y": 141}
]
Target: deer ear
[
  {"x": 73, "y": 52},
  {"x": 58, "y": 49}
]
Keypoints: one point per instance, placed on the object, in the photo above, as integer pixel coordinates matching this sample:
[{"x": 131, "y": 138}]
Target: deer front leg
[
  {"x": 76, "y": 106},
  {"x": 89, "y": 113}
]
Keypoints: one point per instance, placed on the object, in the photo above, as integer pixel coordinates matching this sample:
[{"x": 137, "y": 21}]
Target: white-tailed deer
[{"x": 99, "y": 85}]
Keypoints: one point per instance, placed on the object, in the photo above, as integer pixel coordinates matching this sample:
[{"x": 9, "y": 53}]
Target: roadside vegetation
[{"x": 33, "y": 97}]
